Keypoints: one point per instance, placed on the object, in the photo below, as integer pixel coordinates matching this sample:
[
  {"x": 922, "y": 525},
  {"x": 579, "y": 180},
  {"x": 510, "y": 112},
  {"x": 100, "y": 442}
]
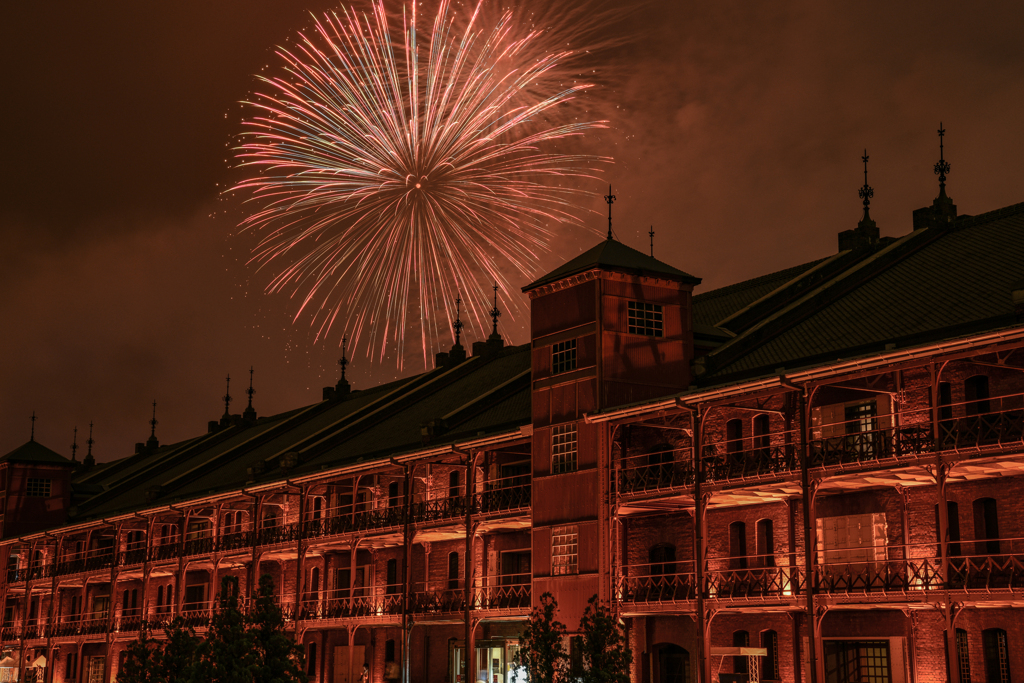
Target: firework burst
[{"x": 392, "y": 175}]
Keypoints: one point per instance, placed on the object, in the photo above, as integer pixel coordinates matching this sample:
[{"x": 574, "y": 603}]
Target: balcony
[
  {"x": 976, "y": 428},
  {"x": 341, "y": 604},
  {"x": 657, "y": 583}
]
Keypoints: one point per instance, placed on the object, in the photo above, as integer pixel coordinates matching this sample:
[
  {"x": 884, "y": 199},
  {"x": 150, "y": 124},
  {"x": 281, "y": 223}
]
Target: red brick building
[{"x": 824, "y": 462}]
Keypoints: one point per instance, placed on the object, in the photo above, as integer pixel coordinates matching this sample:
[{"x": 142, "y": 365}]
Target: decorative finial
[
  {"x": 458, "y": 325},
  {"x": 343, "y": 361},
  {"x": 249, "y": 414},
  {"x": 495, "y": 313},
  {"x": 88, "y": 461},
  {"x": 32, "y": 436},
  {"x": 866, "y": 192},
  {"x": 227, "y": 399},
  {"x": 610, "y": 198},
  {"x": 651, "y": 233},
  {"x": 153, "y": 423},
  {"x": 942, "y": 167},
  {"x": 74, "y": 445},
  {"x": 250, "y": 391}
]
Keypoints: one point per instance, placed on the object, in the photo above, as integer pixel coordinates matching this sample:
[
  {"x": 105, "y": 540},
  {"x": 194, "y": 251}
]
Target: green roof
[
  {"x": 614, "y": 255},
  {"x": 33, "y": 451}
]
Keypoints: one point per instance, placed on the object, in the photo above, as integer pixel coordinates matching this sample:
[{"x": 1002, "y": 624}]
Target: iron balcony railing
[
  {"x": 884, "y": 570},
  {"x": 977, "y": 427},
  {"x": 368, "y": 603}
]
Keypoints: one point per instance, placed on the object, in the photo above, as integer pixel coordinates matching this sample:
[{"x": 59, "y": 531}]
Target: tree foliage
[
  {"x": 542, "y": 644},
  {"x": 237, "y": 647},
  {"x": 278, "y": 657},
  {"x": 606, "y": 655},
  {"x": 142, "y": 662}
]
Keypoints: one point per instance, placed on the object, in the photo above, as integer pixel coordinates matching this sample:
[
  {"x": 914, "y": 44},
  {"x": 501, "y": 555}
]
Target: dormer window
[
  {"x": 645, "y": 319},
  {"x": 563, "y": 356},
  {"x": 38, "y": 488}
]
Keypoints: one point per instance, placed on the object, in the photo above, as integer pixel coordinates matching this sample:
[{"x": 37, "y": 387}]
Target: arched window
[
  {"x": 737, "y": 545},
  {"x": 976, "y": 395},
  {"x": 453, "y": 484},
  {"x": 314, "y": 583},
  {"x": 765, "y": 543},
  {"x": 393, "y": 497},
  {"x": 997, "y": 658},
  {"x": 945, "y": 401},
  {"x": 740, "y": 639},
  {"x": 761, "y": 426},
  {"x": 963, "y": 655},
  {"x": 673, "y": 664},
  {"x": 986, "y": 527},
  {"x": 392, "y": 577},
  {"x": 159, "y": 599},
  {"x": 953, "y": 516},
  {"x": 734, "y": 436},
  {"x": 453, "y": 570},
  {"x": 770, "y": 662},
  {"x": 311, "y": 660},
  {"x": 662, "y": 559}
]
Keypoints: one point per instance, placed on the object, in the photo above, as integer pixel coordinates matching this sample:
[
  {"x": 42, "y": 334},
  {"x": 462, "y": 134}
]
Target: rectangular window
[
  {"x": 645, "y": 319},
  {"x": 38, "y": 488},
  {"x": 565, "y": 547},
  {"x": 563, "y": 356},
  {"x": 866, "y": 661},
  {"x": 563, "y": 448}
]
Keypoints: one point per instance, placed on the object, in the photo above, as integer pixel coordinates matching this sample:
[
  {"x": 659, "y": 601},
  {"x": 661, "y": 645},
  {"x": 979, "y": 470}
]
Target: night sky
[{"x": 737, "y": 131}]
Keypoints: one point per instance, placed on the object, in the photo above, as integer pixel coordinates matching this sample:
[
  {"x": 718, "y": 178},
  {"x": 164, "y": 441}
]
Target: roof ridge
[
  {"x": 988, "y": 216},
  {"x": 745, "y": 284}
]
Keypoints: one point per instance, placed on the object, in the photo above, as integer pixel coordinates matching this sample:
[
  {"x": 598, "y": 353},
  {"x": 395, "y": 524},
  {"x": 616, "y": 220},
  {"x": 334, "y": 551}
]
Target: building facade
[{"x": 824, "y": 462}]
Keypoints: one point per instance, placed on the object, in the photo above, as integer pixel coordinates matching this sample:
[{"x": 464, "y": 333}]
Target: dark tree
[
  {"x": 180, "y": 654},
  {"x": 606, "y": 654},
  {"x": 541, "y": 645},
  {"x": 226, "y": 654},
  {"x": 142, "y": 660},
  {"x": 278, "y": 658}
]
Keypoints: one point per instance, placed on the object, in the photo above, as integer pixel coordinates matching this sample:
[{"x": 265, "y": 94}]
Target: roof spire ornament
[
  {"x": 343, "y": 387},
  {"x": 457, "y": 325},
  {"x": 227, "y": 401},
  {"x": 74, "y": 445},
  {"x": 610, "y": 198},
  {"x": 89, "y": 460},
  {"x": 249, "y": 414},
  {"x": 495, "y": 313},
  {"x": 866, "y": 192},
  {"x": 32, "y": 435},
  {"x": 942, "y": 166},
  {"x": 651, "y": 233},
  {"x": 152, "y": 442}
]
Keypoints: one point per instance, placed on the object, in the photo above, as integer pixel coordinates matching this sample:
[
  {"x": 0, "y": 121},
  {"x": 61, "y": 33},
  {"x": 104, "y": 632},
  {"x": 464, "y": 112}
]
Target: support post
[
  {"x": 700, "y": 546},
  {"x": 407, "y": 574},
  {"x": 470, "y": 650},
  {"x": 810, "y": 542}
]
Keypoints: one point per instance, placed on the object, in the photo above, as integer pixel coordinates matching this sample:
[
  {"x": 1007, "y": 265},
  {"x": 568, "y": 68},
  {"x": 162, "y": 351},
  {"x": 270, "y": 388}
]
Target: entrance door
[
  {"x": 673, "y": 664},
  {"x": 341, "y": 664},
  {"x": 857, "y": 661}
]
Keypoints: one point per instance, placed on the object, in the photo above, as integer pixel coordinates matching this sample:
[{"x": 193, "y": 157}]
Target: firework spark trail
[{"x": 386, "y": 185}]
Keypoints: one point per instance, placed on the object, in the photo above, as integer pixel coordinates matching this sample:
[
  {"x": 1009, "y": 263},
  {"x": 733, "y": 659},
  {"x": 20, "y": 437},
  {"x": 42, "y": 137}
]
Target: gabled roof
[
  {"x": 482, "y": 396},
  {"x": 614, "y": 255},
  {"x": 35, "y": 452},
  {"x": 934, "y": 283}
]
